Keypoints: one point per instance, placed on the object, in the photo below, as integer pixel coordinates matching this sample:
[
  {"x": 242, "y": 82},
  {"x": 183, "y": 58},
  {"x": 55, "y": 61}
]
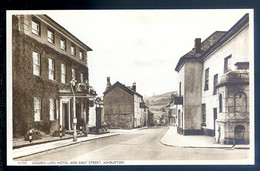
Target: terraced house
[
  {"x": 213, "y": 96},
  {"x": 49, "y": 68}
]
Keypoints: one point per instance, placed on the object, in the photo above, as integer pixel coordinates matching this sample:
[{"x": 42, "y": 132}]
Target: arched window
[
  {"x": 240, "y": 102},
  {"x": 220, "y": 103}
]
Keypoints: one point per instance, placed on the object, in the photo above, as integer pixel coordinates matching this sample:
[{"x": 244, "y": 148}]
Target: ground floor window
[
  {"x": 52, "y": 109},
  {"x": 37, "y": 108},
  {"x": 203, "y": 114}
]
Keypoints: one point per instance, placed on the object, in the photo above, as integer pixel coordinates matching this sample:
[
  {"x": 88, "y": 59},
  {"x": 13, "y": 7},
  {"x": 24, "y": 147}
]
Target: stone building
[
  {"x": 123, "y": 106},
  {"x": 213, "y": 96},
  {"x": 45, "y": 59},
  {"x": 172, "y": 112}
]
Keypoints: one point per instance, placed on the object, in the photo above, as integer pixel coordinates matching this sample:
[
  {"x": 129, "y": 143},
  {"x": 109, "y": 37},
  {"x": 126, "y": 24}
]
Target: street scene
[
  {"x": 131, "y": 87},
  {"x": 146, "y": 143}
]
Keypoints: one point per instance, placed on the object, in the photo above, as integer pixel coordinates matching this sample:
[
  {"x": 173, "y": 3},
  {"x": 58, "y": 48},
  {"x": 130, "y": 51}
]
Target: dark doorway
[
  {"x": 65, "y": 115},
  {"x": 98, "y": 117},
  {"x": 215, "y": 118},
  {"x": 239, "y": 134}
]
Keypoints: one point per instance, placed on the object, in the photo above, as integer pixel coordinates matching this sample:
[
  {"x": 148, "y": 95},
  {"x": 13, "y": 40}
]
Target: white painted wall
[{"x": 238, "y": 47}]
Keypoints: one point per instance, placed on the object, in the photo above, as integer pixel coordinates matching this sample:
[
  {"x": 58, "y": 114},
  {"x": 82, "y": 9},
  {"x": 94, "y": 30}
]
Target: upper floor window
[
  {"x": 36, "y": 29},
  {"x": 74, "y": 74},
  {"x": 63, "y": 73},
  {"x": 81, "y": 78},
  {"x": 206, "y": 87},
  {"x": 73, "y": 49},
  {"x": 81, "y": 55},
  {"x": 63, "y": 43},
  {"x": 36, "y": 64},
  {"x": 51, "y": 69},
  {"x": 37, "y": 108},
  {"x": 215, "y": 84},
  {"x": 50, "y": 35},
  {"x": 52, "y": 109},
  {"x": 227, "y": 64}
]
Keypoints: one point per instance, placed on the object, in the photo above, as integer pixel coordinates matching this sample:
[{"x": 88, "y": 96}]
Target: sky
[{"x": 142, "y": 46}]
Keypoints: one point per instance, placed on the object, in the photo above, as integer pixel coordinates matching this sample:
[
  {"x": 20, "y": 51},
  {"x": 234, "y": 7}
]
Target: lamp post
[
  {"x": 97, "y": 102},
  {"x": 73, "y": 83}
]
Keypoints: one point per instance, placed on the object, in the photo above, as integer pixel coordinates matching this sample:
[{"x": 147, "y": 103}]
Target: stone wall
[{"x": 119, "y": 120}]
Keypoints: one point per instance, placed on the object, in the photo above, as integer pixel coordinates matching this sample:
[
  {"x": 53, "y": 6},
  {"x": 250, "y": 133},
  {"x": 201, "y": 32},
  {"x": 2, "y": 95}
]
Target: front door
[
  {"x": 215, "y": 117},
  {"x": 239, "y": 134},
  {"x": 65, "y": 115}
]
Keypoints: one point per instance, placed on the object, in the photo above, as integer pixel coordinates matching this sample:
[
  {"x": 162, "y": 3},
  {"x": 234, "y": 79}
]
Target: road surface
[{"x": 140, "y": 144}]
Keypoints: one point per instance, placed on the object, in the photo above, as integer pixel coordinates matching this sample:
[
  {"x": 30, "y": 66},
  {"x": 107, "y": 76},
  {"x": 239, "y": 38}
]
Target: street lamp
[
  {"x": 97, "y": 102},
  {"x": 73, "y": 83}
]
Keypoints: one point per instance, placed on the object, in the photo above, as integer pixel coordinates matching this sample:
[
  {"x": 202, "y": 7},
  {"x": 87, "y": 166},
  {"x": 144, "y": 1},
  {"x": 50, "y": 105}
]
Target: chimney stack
[
  {"x": 197, "y": 45},
  {"x": 134, "y": 86},
  {"x": 108, "y": 83}
]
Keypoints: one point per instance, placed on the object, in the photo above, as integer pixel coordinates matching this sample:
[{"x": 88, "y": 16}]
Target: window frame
[
  {"x": 227, "y": 64},
  {"x": 36, "y": 65},
  {"x": 73, "y": 74},
  {"x": 52, "y": 112},
  {"x": 204, "y": 114},
  {"x": 49, "y": 39},
  {"x": 206, "y": 84},
  {"x": 51, "y": 69},
  {"x": 81, "y": 77},
  {"x": 73, "y": 47},
  {"x": 63, "y": 73},
  {"x": 61, "y": 44},
  {"x": 81, "y": 55},
  {"x": 37, "y": 107},
  {"x": 36, "y": 31},
  {"x": 215, "y": 82}
]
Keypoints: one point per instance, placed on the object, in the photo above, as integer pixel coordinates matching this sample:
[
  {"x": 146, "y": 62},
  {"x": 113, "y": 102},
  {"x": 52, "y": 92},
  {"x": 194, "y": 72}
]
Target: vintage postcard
[{"x": 130, "y": 87}]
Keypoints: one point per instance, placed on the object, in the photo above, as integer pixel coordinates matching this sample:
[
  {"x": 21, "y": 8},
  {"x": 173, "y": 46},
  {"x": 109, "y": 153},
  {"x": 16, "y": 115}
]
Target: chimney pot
[
  {"x": 198, "y": 45},
  {"x": 108, "y": 83},
  {"x": 134, "y": 86}
]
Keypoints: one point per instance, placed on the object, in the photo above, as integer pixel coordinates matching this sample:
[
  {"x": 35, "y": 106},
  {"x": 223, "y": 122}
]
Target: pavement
[
  {"x": 173, "y": 139},
  {"x": 49, "y": 145},
  {"x": 23, "y": 148}
]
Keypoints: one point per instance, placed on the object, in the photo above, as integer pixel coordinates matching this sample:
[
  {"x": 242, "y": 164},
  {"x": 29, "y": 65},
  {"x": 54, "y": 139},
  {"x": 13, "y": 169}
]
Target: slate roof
[{"x": 127, "y": 89}]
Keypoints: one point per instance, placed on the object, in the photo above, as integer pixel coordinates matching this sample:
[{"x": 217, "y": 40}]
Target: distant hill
[{"x": 157, "y": 103}]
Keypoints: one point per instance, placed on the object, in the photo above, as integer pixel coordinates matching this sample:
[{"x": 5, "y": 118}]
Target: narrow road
[{"x": 142, "y": 144}]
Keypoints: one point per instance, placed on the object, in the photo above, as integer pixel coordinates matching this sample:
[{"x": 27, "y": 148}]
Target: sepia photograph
[{"x": 130, "y": 87}]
